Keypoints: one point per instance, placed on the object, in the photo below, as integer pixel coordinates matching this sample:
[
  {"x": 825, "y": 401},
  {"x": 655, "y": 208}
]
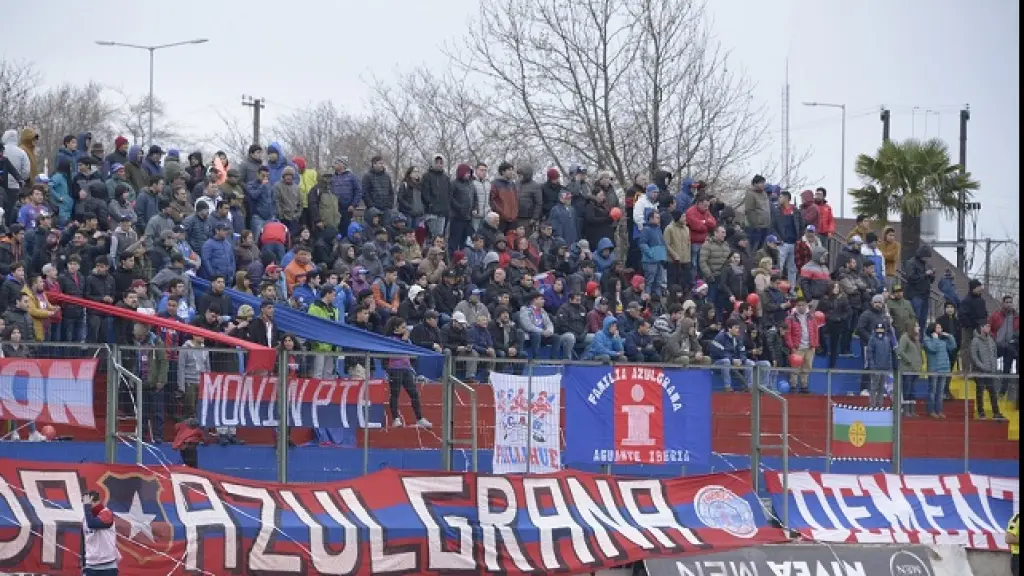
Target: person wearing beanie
[
  {"x": 151, "y": 164},
  {"x": 550, "y": 191},
  {"x": 119, "y": 155},
  {"x": 757, "y": 208},
  {"x": 462, "y": 207},
  {"x": 287, "y": 201},
  {"x": 973, "y": 314}
]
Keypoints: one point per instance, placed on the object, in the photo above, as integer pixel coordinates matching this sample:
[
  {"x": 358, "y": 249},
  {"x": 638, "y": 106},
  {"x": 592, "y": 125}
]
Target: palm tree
[{"x": 906, "y": 178}]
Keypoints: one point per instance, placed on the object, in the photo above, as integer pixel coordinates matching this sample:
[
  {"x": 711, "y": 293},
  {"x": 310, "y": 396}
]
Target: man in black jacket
[
  {"x": 426, "y": 334},
  {"x": 72, "y": 283},
  {"x": 378, "y": 189},
  {"x": 531, "y": 200},
  {"x": 571, "y": 318},
  {"x": 917, "y": 285},
  {"x": 99, "y": 287},
  {"x": 437, "y": 194},
  {"x": 973, "y": 315},
  {"x": 11, "y": 288}
]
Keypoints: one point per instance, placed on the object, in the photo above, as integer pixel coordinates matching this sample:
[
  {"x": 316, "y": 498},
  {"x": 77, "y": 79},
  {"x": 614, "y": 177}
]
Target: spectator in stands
[
  {"x": 984, "y": 356},
  {"x": 732, "y": 287},
  {"x": 483, "y": 345},
  {"x": 878, "y": 355},
  {"x": 728, "y": 351},
  {"x": 701, "y": 224},
  {"x": 815, "y": 277},
  {"x": 17, "y": 317},
  {"x": 891, "y": 251},
  {"x": 401, "y": 375},
  {"x": 193, "y": 362},
  {"x": 937, "y": 347},
  {"x": 826, "y": 218},
  {"x": 787, "y": 225},
  {"x": 919, "y": 279},
  {"x": 806, "y": 245},
  {"x": 836, "y": 307},
  {"x": 714, "y": 255},
  {"x": 147, "y": 359},
  {"x": 99, "y": 287},
  {"x": 540, "y": 331},
  {"x": 757, "y": 208},
  {"x": 862, "y": 227},
  {"x": 436, "y": 194},
  {"x": 41, "y": 312},
  {"x": 973, "y": 314},
  {"x": 654, "y": 256},
  {"x": 607, "y": 345},
  {"x": 639, "y": 344},
  {"x": 911, "y": 364},
  {"x": 324, "y": 308},
  {"x": 12, "y": 286},
  {"x": 951, "y": 325},
  {"x": 1005, "y": 325},
  {"x": 901, "y": 311},
  {"x": 802, "y": 338}
]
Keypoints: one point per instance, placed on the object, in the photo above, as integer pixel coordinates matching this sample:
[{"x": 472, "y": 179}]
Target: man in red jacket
[
  {"x": 826, "y": 218},
  {"x": 802, "y": 340},
  {"x": 701, "y": 223}
]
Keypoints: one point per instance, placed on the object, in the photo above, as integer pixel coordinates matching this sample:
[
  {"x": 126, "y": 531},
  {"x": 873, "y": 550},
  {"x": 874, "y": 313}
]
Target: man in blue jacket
[
  {"x": 345, "y": 186},
  {"x": 728, "y": 351},
  {"x": 218, "y": 255},
  {"x": 607, "y": 346},
  {"x": 261, "y": 200}
]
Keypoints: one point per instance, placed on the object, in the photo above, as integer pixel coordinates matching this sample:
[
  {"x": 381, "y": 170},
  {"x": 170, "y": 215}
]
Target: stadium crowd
[{"x": 488, "y": 264}]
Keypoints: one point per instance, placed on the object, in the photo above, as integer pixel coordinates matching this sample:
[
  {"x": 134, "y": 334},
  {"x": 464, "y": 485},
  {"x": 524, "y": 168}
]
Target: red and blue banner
[
  {"x": 177, "y": 521},
  {"x": 967, "y": 510},
  {"x": 251, "y": 401},
  {"x": 640, "y": 414},
  {"x": 47, "y": 391}
]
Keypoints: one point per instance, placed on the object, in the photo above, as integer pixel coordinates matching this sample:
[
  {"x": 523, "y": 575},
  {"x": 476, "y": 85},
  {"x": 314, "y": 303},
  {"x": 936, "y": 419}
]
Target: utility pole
[
  {"x": 256, "y": 104},
  {"x": 885, "y": 115},
  {"x": 990, "y": 246},
  {"x": 961, "y": 215}
]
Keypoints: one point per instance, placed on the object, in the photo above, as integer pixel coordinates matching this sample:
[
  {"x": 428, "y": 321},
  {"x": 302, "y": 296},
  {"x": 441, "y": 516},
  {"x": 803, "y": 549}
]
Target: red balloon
[
  {"x": 49, "y": 432},
  {"x": 615, "y": 213},
  {"x": 796, "y": 360},
  {"x": 753, "y": 300},
  {"x": 820, "y": 317}
]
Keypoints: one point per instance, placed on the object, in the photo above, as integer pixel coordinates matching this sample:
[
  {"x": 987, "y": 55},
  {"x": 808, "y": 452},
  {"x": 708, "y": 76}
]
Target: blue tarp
[{"x": 311, "y": 328}]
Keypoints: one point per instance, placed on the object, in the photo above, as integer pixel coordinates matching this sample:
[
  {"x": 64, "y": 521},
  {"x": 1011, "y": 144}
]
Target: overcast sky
[{"x": 932, "y": 55}]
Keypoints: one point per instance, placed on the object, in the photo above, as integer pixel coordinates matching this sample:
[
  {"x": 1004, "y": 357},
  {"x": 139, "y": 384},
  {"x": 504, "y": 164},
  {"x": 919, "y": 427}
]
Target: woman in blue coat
[{"x": 937, "y": 348}]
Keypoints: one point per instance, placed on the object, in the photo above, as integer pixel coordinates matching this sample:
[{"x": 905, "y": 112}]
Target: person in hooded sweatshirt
[
  {"x": 196, "y": 171},
  {"x": 607, "y": 345},
  {"x": 654, "y": 256},
  {"x": 136, "y": 175},
  {"x": 808, "y": 209},
  {"x": 277, "y": 162},
  {"x": 917, "y": 286},
  {"x": 757, "y": 207},
  {"x": 551, "y": 191},
  {"x": 288, "y": 201},
  {"x": 151, "y": 164},
  {"x": 463, "y": 206},
  {"x": 531, "y": 201}
]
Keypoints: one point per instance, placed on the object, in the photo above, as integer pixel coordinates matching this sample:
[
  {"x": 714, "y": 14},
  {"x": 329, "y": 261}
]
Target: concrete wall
[{"x": 985, "y": 563}]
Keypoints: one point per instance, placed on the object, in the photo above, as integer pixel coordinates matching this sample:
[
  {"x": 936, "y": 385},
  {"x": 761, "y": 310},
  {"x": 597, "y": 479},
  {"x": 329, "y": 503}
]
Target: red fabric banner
[
  {"x": 47, "y": 391},
  {"x": 260, "y": 359},
  {"x": 178, "y": 521}
]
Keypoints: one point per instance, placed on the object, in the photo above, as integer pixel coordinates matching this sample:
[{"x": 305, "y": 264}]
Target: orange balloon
[{"x": 615, "y": 213}]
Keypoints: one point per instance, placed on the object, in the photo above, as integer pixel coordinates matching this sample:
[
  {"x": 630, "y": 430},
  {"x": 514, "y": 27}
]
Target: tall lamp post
[
  {"x": 842, "y": 160},
  {"x": 152, "y": 50}
]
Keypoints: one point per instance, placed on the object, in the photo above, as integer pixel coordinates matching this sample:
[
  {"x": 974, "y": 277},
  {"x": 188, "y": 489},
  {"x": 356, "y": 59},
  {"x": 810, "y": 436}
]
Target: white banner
[{"x": 527, "y": 432}]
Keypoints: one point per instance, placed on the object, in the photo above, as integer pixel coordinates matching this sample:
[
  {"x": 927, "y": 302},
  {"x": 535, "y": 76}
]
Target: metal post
[
  {"x": 473, "y": 422},
  {"x": 897, "y": 408},
  {"x": 961, "y": 219},
  {"x": 755, "y": 437},
  {"x": 842, "y": 169},
  {"x": 988, "y": 261},
  {"x": 140, "y": 391},
  {"x": 785, "y": 463},
  {"x": 282, "y": 415},
  {"x": 529, "y": 414},
  {"x": 152, "y": 51},
  {"x": 447, "y": 413},
  {"x": 978, "y": 397},
  {"x": 113, "y": 377},
  {"x": 828, "y": 420},
  {"x": 365, "y": 410}
]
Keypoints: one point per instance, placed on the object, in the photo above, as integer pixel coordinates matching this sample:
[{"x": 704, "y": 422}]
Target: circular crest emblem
[
  {"x": 718, "y": 507},
  {"x": 858, "y": 434},
  {"x": 907, "y": 562}
]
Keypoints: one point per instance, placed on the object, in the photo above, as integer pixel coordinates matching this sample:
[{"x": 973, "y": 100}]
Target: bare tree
[
  {"x": 626, "y": 85},
  {"x": 1003, "y": 278},
  {"x": 131, "y": 119},
  {"x": 234, "y": 137},
  {"x": 68, "y": 110},
  {"x": 320, "y": 132},
  {"x": 18, "y": 82}
]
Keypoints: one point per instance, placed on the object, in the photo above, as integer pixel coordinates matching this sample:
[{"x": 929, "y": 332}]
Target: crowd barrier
[{"x": 342, "y": 400}]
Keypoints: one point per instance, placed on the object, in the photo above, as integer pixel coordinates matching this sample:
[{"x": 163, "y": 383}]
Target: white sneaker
[
  {"x": 36, "y": 436},
  {"x": 424, "y": 423},
  {"x": 865, "y": 393},
  {"x": 396, "y": 423}
]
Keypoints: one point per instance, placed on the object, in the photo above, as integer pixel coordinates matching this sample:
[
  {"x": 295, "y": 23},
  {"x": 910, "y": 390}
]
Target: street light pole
[
  {"x": 842, "y": 153},
  {"x": 152, "y": 52}
]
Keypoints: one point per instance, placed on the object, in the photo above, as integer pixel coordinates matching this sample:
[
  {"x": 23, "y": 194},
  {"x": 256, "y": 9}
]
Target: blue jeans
[
  {"x": 920, "y": 305},
  {"x": 936, "y": 390},
  {"x": 73, "y": 329},
  {"x": 908, "y": 381},
  {"x": 153, "y": 414},
  {"x": 695, "y": 260},
  {"x": 747, "y": 366},
  {"x": 561, "y": 344},
  {"x": 257, "y": 226},
  {"x": 655, "y": 278},
  {"x": 787, "y": 261},
  {"x": 435, "y": 224},
  {"x": 277, "y": 250},
  {"x": 756, "y": 237}
]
